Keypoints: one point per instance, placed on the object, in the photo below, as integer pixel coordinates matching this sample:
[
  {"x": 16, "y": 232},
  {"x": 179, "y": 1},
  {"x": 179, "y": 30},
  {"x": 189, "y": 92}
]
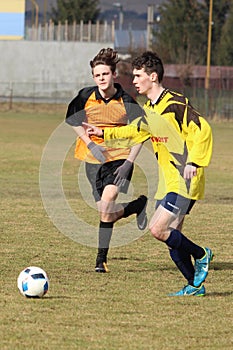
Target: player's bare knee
[
  {"x": 107, "y": 217},
  {"x": 157, "y": 232}
]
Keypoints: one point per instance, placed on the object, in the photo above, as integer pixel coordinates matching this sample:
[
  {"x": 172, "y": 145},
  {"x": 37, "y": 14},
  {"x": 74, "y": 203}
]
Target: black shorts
[
  {"x": 101, "y": 175},
  {"x": 176, "y": 203}
]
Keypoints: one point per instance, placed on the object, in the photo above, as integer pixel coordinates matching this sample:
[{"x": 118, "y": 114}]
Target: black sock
[
  {"x": 177, "y": 240},
  {"x": 134, "y": 207},
  {"x": 105, "y": 234},
  {"x": 184, "y": 263}
]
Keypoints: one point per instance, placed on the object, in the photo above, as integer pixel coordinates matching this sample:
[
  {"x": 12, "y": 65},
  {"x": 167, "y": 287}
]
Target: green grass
[{"x": 128, "y": 308}]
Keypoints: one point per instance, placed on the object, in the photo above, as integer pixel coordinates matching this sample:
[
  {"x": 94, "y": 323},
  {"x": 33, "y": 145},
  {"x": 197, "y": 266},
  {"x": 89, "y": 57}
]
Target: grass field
[{"x": 127, "y": 309}]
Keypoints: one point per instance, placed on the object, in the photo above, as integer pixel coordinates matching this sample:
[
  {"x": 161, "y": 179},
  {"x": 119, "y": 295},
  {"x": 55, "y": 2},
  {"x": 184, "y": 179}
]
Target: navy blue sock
[
  {"x": 105, "y": 234},
  {"x": 184, "y": 263},
  {"x": 177, "y": 240}
]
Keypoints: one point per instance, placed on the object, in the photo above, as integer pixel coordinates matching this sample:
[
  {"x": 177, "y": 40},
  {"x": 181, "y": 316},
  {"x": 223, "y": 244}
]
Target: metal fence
[
  {"x": 213, "y": 103},
  {"x": 218, "y": 103},
  {"x": 50, "y": 92},
  {"x": 97, "y": 32},
  {"x": 124, "y": 40}
]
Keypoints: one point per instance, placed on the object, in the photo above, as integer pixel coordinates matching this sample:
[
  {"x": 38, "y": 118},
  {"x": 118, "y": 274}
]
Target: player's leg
[
  {"x": 93, "y": 172},
  {"x": 201, "y": 255},
  {"x": 109, "y": 213},
  {"x": 137, "y": 206},
  {"x": 182, "y": 259},
  {"x": 161, "y": 225},
  {"x": 169, "y": 209},
  {"x": 161, "y": 228}
]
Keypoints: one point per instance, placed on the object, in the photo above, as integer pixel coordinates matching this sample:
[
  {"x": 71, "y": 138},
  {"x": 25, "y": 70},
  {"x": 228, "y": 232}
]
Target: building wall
[
  {"x": 12, "y": 19},
  {"x": 45, "y": 69}
]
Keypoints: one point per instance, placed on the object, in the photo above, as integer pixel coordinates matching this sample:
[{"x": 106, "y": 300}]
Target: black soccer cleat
[{"x": 142, "y": 216}]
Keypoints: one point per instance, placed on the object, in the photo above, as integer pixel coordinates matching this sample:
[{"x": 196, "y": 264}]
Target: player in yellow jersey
[
  {"x": 182, "y": 142},
  {"x": 108, "y": 169}
]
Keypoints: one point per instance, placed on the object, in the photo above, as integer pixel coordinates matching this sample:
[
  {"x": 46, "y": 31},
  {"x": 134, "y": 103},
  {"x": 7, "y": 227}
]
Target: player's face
[
  {"x": 142, "y": 81},
  {"x": 103, "y": 77}
]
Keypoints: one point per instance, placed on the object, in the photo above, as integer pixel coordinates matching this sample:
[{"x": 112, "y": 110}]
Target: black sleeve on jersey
[
  {"x": 133, "y": 109},
  {"x": 76, "y": 114},
  {"x": 179, "y": 105}
]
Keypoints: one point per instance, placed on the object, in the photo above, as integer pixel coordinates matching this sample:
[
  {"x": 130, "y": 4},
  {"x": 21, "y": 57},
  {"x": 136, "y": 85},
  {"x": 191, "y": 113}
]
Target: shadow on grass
[
  {"x": 221, "y": 266},
  {"x": 50, "y": 297},
  {"x": 213, "y": 266},
  {"x": 122, "y": 258},
  {"x": 153, "y": 266},
  {"x": 219, "y": 294}
]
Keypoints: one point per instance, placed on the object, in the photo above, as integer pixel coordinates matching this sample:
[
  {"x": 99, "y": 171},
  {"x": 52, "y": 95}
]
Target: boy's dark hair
[
  {"x": 107, "y": 57},
  {"x": 151, "y": 62}
]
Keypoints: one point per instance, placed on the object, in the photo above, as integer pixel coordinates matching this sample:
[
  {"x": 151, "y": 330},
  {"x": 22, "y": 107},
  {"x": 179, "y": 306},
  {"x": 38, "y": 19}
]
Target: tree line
[{"x": 181, "y": 35}]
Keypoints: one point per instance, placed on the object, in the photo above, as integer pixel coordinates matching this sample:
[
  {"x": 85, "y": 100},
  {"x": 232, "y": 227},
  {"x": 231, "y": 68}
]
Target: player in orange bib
[{"x": 108, "y": 169}]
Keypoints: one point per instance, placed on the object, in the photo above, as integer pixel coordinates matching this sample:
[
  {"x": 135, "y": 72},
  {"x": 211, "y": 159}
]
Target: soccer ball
[{"x": 33, "y": 282}]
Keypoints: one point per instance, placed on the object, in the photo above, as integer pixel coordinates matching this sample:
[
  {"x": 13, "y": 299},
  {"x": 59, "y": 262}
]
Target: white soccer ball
[{"x": 33, "y": 282}]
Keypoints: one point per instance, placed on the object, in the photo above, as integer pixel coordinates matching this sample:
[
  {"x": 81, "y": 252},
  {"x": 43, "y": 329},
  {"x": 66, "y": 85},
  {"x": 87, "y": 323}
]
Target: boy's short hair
[
  {"x": 108, "y": 57},
  {"x": 151, "y": 62}
]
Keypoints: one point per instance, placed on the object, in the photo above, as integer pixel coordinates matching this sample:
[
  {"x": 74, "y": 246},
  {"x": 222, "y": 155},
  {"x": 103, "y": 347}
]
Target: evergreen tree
[
  {"x": 183, "y": 30},
  {"x": 224, "y": 52},
  {"x": 220, "y": 10},
  {"x": 75, "y": 10}
]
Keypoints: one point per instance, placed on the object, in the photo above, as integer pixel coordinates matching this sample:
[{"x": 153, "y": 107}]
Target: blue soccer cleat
[
  {"x": 202, "y": 267},
  {"x": 190, "y": 291}
]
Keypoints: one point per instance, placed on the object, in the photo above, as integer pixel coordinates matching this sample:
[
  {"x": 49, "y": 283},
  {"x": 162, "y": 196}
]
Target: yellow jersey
[{"x": 179, "y": 136}]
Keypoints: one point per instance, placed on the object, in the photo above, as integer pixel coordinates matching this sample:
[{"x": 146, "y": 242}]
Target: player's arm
[
  {"x": 75, "y": 116},
  {"x": 124, "y": 136},
  {"x": 200, "y": 153},
  {"x": 123, "y": 170},
  {"x": 134, "y": 152},
  {"x": 202, "y": 143},
  {"x": 96, "y": 150},
  {"x": 81, "y": 133},
  {"x": 190, "y": 170}
]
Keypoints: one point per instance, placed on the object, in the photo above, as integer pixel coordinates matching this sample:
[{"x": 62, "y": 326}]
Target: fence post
[
  {"x": 74, "y": 31},
  {"x": 50, "y": 29},
  {"x": 33, "y": 33},
  {"x": 66, "y": 30},
  {"x": 97, "y": 38},
  {"x": 113, "y": 31},
  {"x": 105, "y": 30},
  {"x": 46, "y": 31},
  {"x": 11, "y": 95},
  {"x": 89, "y": 31},
  {"x": 59, "y": 31},
  {"x": 150, "y": 22},
  {"x": 39, "y": 31},
  {"x": 81, "y": 30}
]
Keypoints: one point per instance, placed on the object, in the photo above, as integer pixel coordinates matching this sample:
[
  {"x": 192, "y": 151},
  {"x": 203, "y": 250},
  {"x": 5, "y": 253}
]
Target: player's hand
[
  {"x": 93, "y": 130},
  {"x": 97, "y": 151},
  {"x": 189, "y": 171},
  {"x": 122, "y": 173}
]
